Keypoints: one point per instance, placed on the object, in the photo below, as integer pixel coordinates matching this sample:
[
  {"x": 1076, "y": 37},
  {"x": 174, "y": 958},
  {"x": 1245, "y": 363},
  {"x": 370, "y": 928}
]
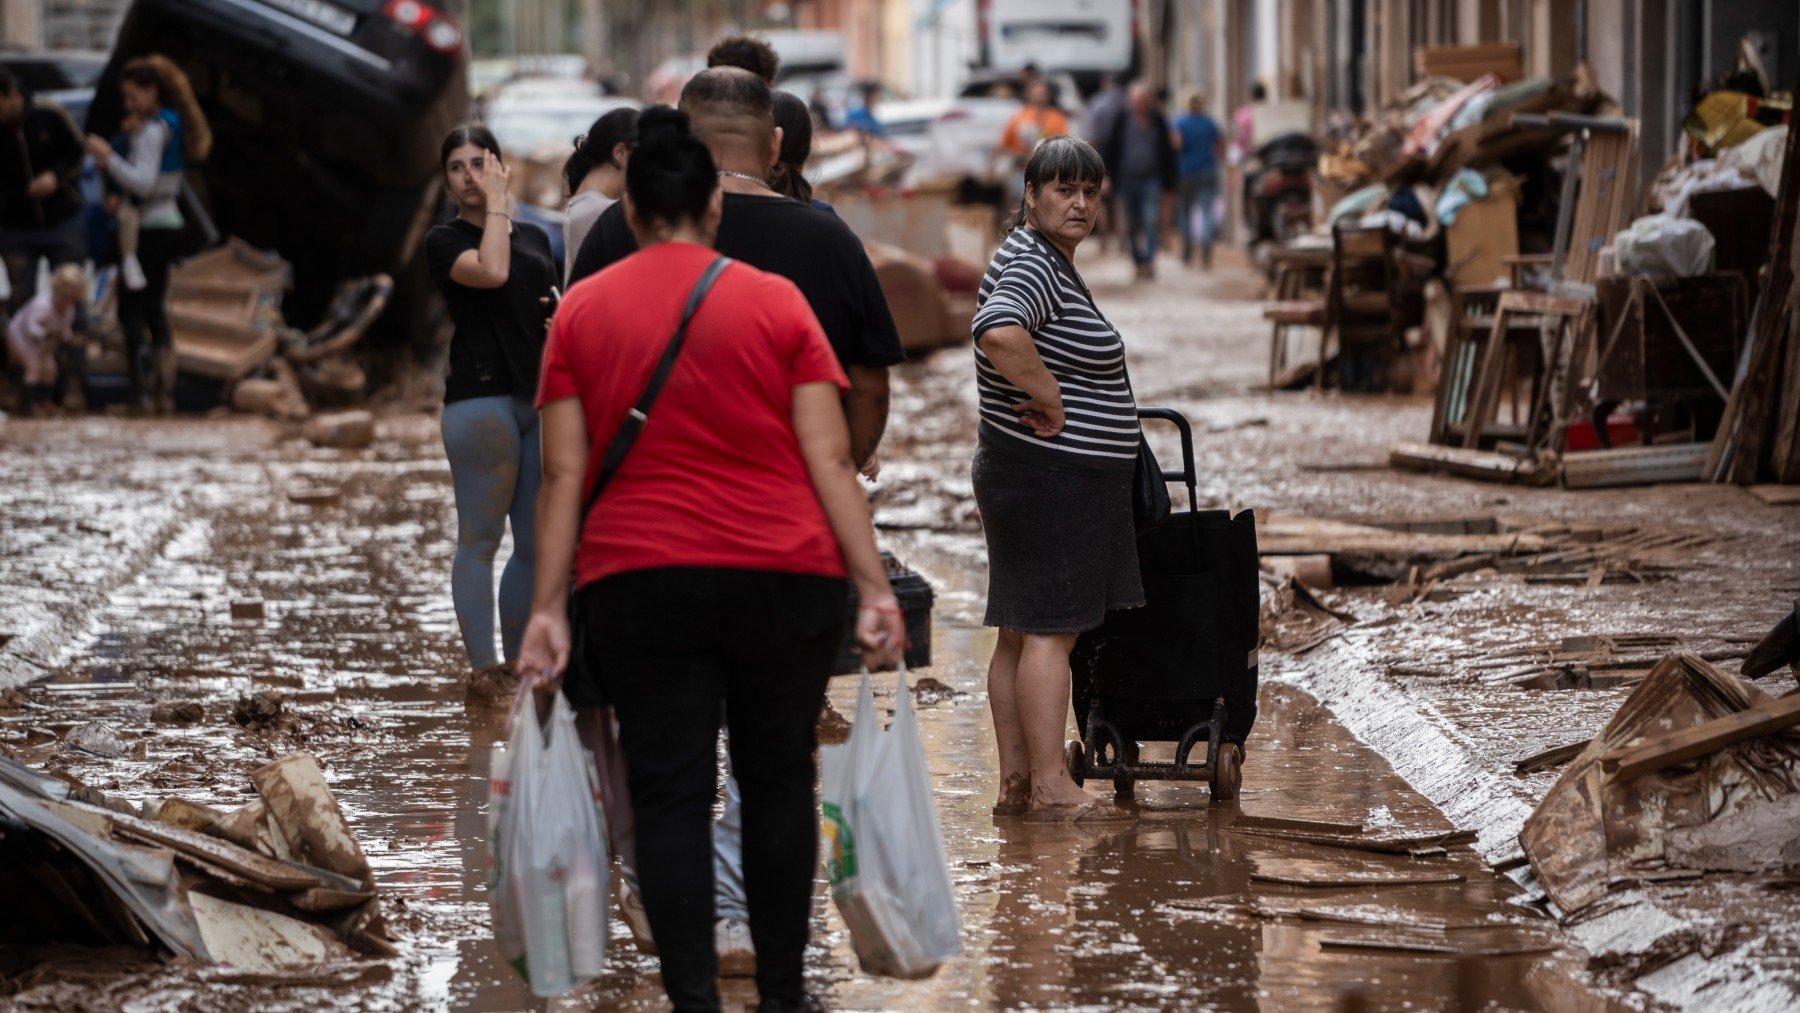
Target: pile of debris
[
  {"x": 232, "y": 345},
  {"x": 1697, "y": 771},
  {"x": 278, "y": 883}
]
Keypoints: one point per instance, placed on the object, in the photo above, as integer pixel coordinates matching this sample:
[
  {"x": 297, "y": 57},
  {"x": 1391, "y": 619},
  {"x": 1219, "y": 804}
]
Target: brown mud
[{"x": 127, "y": 543}]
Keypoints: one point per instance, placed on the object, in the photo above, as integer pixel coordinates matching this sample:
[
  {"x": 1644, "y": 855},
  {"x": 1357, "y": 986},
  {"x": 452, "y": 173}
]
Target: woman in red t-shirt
[{"x": 711, "y": 572}]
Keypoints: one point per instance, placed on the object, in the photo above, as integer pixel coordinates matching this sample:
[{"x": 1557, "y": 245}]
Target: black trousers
[
  {"x": 144, "y": 317},
  {"x": 672, "y": 648}
]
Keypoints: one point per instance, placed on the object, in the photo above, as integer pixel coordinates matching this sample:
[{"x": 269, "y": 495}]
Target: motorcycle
[{"x": 1278, "y": 188}]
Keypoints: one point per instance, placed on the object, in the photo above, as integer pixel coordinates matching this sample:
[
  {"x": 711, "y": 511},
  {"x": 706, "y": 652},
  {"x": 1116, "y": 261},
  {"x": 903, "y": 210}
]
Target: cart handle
[{"x": 1189, "y": 475}]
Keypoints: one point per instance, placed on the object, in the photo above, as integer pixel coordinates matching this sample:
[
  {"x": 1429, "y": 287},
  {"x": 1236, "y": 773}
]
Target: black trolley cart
[{"x": 1183, "y": 668}]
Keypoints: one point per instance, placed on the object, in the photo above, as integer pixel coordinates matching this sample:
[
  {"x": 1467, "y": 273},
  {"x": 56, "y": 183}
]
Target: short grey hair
[{"x": 1059, "y": 159}]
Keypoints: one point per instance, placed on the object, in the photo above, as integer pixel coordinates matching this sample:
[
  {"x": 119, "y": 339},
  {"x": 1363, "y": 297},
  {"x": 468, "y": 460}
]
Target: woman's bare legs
[
  {"x": 1009, "y": 734},
  {"x": 1028, "y": 690},
  {"x": 1042, "y": 695}
]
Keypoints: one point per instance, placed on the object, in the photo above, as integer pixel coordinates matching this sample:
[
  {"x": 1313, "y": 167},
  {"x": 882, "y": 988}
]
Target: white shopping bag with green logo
[{"x": 884, "y": 847}]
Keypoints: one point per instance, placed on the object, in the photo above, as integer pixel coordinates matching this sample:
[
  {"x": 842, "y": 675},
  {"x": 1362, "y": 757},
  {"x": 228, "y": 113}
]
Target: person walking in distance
[
  {"x": 595, "y": 175},
  {"x": 1053, "y": 467},
  {"x": 497, "y": 277},
  {"x": 1202, "y": 152},
  {"x": 1037, "y": 119},
  {"x": 1140, "y": 156},
  {"x": 689, "y": 612},
  {"x": 40, "y": 206},
  {"x": 174, "y": 132}
]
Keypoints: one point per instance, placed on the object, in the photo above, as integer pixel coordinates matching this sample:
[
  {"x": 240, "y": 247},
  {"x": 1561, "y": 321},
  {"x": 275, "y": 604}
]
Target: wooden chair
[
  {"x": 1372, "y": 297},
  {"x": 1473, "y": 315},
  {"x": 1297, "y": 301}
]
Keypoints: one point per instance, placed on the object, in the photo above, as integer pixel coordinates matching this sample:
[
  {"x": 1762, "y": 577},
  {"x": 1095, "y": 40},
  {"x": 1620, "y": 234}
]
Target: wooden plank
[
  {"x": 1625, "y": 763},
  {"x": 1481, "y": 464},
  {"x": 1306, "y": 872},
  {"x": 240, "y": 861},
  {"x": 1593, "y": 469},
  {"x": 1555, "y": 756},
  {"x": 1777, "y": 495}
]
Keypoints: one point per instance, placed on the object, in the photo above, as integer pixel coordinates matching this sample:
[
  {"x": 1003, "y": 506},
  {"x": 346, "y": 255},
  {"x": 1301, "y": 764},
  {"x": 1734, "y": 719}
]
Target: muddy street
[{"x": 154, "y": 563}]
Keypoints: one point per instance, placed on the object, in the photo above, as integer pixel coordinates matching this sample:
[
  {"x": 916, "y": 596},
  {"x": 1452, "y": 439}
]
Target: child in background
[
  {"x": 40, "y": 329},
  {"x": 125, "y": 209}
]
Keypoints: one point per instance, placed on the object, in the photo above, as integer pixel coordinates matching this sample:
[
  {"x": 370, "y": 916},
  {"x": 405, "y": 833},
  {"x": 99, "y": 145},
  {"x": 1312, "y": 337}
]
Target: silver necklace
[{"x": 746, "y": 177}]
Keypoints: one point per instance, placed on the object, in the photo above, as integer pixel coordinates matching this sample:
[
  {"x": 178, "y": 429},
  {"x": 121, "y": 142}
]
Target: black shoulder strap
[{"x": 635, "y": 418}]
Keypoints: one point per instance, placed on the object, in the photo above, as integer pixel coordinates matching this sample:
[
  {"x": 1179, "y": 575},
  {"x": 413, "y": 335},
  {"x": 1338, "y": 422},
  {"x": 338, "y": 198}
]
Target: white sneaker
[
  {"x": 737, "y": 955},
  {"x": 133, "y": 273},
  {"x": 631, "y": 908}
]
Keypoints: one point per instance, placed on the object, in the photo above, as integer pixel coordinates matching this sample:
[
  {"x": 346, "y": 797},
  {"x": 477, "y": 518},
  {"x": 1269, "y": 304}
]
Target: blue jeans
[
  {"x": 1199, "y": 191},
  {"x": 1143, "y": 216},
  {"x": 495, "y": 466}
]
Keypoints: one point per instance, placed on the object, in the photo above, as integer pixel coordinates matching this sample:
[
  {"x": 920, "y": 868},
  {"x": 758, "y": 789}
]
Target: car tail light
[
  {"x": 428, "y": 23},
  {"x": 952, "y": 115}
]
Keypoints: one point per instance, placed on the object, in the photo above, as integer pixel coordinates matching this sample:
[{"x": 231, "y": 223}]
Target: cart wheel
[
  {"x": 1122, "y": 787},
  {"x": 1074, "y": 761},
  {"x": 1226, "y": 776}
]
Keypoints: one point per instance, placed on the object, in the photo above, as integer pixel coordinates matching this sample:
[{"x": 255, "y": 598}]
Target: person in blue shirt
[
  {"x": 862, "y": 118},
  {"x": 1201, "y": 150}
]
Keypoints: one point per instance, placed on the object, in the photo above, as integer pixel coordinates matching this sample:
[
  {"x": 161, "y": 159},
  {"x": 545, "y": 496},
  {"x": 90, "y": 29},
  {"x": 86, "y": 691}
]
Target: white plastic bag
[
  {"x": 884, "y": 847},
  {"x": 1663, "y": 244},
  {"x": 548, "y": 880}
]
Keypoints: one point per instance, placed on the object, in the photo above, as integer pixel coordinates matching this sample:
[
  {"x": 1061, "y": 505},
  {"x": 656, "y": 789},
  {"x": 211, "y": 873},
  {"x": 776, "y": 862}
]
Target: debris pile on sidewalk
[
  {"x": 1629, "y": 353},
  {"x": 1698, "y": 770},
  {"x": 232, "y": 345},
  {"x": 278, "y": 883}
]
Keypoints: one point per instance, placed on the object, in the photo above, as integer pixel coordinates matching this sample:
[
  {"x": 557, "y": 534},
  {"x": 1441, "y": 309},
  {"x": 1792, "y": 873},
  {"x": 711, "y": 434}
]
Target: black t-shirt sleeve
[
  {"x": 607, "y": 243},
  {"x": 443, "y": 244},
  {"x": 875, "y": 340}
]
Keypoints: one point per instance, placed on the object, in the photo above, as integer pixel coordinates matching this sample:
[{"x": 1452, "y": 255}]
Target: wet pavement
[{"x": 124, "y": 545}]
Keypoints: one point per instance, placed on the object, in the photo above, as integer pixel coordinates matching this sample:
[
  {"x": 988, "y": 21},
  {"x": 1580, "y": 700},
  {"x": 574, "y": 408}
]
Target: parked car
[{"x": 327, "y": 116}]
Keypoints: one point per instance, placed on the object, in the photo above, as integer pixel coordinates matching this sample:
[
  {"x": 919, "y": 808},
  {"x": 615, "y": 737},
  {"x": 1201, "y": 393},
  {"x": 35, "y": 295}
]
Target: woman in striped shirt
[{"x": 1052, "y": 475}]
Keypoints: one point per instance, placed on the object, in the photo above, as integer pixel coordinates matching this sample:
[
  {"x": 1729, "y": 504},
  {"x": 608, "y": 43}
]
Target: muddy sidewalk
[{"x": 196, "y": 562}]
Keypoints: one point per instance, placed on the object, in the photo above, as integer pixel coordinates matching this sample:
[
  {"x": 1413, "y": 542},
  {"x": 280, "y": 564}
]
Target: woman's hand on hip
[
  {"x": 1044, "y": 418},
  {"x": 544, "y": 652},
  {"x": 880, "y": 631}
]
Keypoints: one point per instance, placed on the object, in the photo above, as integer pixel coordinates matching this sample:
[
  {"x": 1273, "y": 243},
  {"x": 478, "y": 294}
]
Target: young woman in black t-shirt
[{"x": 496, "y": 276}]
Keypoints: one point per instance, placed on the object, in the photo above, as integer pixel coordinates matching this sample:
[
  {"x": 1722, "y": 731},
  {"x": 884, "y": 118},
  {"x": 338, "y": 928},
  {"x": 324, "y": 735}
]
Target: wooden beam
[{"x": 1625, "y": 764}]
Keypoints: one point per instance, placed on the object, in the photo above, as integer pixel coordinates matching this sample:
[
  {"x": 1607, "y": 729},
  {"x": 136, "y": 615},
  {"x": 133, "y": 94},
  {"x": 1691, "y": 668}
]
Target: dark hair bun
[
  {"x": 671, "y": 176},
  {"x": 662, "y": 123}
]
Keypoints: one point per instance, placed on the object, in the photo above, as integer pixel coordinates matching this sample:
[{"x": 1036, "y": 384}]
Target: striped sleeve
[{"x": 1021, "y": 296}]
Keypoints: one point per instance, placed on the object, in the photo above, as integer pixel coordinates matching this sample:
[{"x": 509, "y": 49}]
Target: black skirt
[{"x": 1062, "y": 549}]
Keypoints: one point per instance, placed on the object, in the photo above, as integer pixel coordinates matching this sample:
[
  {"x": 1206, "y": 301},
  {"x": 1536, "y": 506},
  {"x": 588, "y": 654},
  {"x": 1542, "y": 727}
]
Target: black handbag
[
  {"x": 1150, "y": 504},
  {"x": 580, "y": 674}
]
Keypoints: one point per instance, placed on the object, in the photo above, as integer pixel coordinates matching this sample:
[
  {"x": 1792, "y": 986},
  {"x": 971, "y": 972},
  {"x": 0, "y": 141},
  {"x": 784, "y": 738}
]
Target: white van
[{"x": 1078, "y": 36}]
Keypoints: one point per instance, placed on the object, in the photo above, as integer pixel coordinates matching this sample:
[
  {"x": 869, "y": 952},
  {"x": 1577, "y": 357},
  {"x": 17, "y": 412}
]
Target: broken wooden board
[
  {"x": 1486, "y": 465},
  {"x": 1621, "y": 466},
  {"x": 252, "y": 939},
  {"x": 216, "y": 851},
  {"x": 1358, "y": 842},
  {"x": 1627, "y": 762},
  {"x": 1284, "y": 535},
  {"x": 1311, "y": 873},
  {"x": 1777, "y": 495},
  {"x": 1555, "y": 756}
]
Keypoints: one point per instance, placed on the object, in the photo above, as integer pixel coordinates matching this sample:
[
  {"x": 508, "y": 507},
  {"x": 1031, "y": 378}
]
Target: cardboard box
[{"x": 1484, "y": 232}]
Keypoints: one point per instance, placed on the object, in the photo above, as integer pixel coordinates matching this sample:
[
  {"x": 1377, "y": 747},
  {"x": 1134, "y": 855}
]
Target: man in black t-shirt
[{"x": 730, "y": 110}]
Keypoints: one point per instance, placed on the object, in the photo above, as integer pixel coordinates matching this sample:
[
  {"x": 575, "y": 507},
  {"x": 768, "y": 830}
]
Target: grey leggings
[{"x": 495, "y": 466}]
